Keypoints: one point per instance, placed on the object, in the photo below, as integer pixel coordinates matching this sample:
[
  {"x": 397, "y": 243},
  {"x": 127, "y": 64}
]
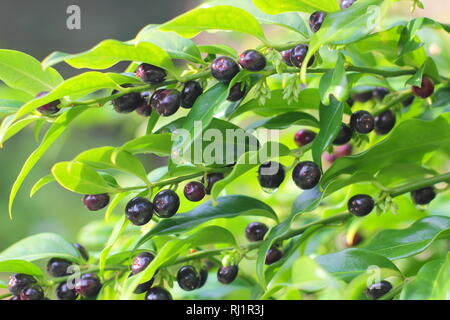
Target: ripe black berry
[
  {"x": 377, "y": 290},
  {"x": 139, "y": 211},
  {"x": 228, "y": 274},
  {"x": 150, "y": 73},
  {"x": 344, "y": 135},
  {"x": 256, "y": 231},
  {"x": 48, "y": 108},
  {"x": 211, "y": 179},
  {"x": 316, "y": 20},
  {"x": 271, "y": 174},
  {"x": 286, "y": 57},
  {"x": 191, "y": 91},
  {"x": 15, "y": 298},
  {"x": 143, "y": 287},
  {"x": 18, "y": 282},
  {"x": 158, "y": 293},
  {"x": 63, "y": 292},
  {"x": 252, "y": 60},
  {"x": 82, "y": 250},
  {"x": 141, "y": 261},
  {"x": 425, "y": 90},
  {"x": 298, "y": 54},
  {"x": 203, "y": 274},
  {"x": 360, "y": 205},
  {"x": 303, "y": 137},
  {"x": 237, "y": 92},
  {"x": 306, "y": 175},
  {"x": 166, "y": 203},
  {"x": 188, "y": 278},
  {"x": 384, "y": 122},
  {"x": 166, "y": 101},
  {"x": 423, "y": 196},
  {"x": 346, "y": 3},
  {"x": 273, "y": 255},
  {"x": 363, "y": 96},
  {"x": 88, "y": 285},
  {"x": 127, "y": 102},
  {"x": 362, "y": 122},
  {"x": 224, "y": 68},
  {"x": 194, "y": 191},
  {"x": 95, "y": 202},
  {"x": 33, "y": 292},
  {"x": 145, "y": 109},
  {"x": 57, "y": 267},
  {"x": 408, "y": 101},
  {"x": 380, "y": 92}
]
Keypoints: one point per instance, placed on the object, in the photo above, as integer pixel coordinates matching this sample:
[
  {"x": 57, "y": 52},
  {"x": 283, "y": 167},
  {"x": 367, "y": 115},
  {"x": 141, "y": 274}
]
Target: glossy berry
[
  {"x": 194, "y": 191},
  {"x": 191, "y": 91},
  {"x": 360, "y": 205},
  {"x": 158, "y": 293},
  {"x": 188, "y": 278},
  {"x": 377, "y": 290},
  {"x": 143, "y": 287},
  {"x": 63, "y": 292},
  {"x": 306, "y": 175},
  {"x": 128, "y": 102},
  {"x": 166, "y": 101},
  {"x": 423, "y": 196},
  {"x": 384, "y": 122},
  {"x": 18, "y": 282},
  {"x": 139, "y": 211},
  {"x": 57, "y": 267},
  {"x": 425, "y": 90},
  {"x": 203, "y": 274},
  {"x": 141, "y": 261},
  {"x": 298, "y": 55},
  {"x": 256, "y": 231},
  {"x": 15, "y": 298},
  {"x": 145, "y": 109},
  {"x": 224, "y": 68},
  {"x": 237, "y": 92},
  {"x": 380, "y": 92},
  {"x": 48, "y": 108},
  {"x": 286, "y": 57},
  {"x": 271, "y": 174},
  {"x": 211, "y": 179},
  {"x": 362, "y": 122},
  {"x": 166, "y": 203},
  {"x": 344, "y": 135},
  {"x": 88, "y": 285},
  {"x": 316, "y": 20},
  {"x": 150, "y": 73},
  {"x": 252, "y": 60},
  {"x": 346, "y": 3},
  {"x": 82, "y": 250},
  {"x": 304, "y": 137},
  {"x": 228, "y": 274},
  {"x": 95, "y": 202},
  {"x": 33, "y": 292},
  {"x": 273, "y": 255}
]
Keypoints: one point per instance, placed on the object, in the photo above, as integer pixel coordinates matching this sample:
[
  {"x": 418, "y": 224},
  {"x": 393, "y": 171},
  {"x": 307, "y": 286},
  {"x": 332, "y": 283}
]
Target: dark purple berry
[
  {"x": 57, "y": 267},
  {"x": 63, "y": 292},
  {"x": 33, "y": 292},
  {"x": 306, "y": 175},
  {"x": 95, "y": 202},
  {"x": 150, "y": 73},
  {"x": 188, "y": 278},
  {"x": 304, "y": 137},
  {"x": 408, "y": 101},
  {"x": 141, "y": 261},
  {"x": 143, "y": 287},
  {"x": 211, "y": 179},
  {"x": 15, "y": 298},
  {"x": 191, "y": 91},
  {"x": 377, "y": 290},
  {"x": 203, "y": 274},
  {"x": 316, "y": 20},
  {"x": 252, "y": 60},
  {"x": 423, "y": 196},
  {"x": 286, "y": 57},
  {"x": 224, "y": 68},
  {"x": 344, "y": 135},
  {"x": 145, "y": 109},
  {"x": 271, "y": 174},
  {"x": 346, "y": 3},
  {"x": 360, "y": 205},
  {"x": 194, "y": 191},
  {"x": 363, "y": 96},
  {"x": 166, "y": 203},
  {"x": 128, "y": 102},
  {"x": 425, "y": 90},
  {"x": 18, "y": 282},
  {"x": 380, "y": 93},
  {"x": 158, "y": 293},
  {"x": 82, "y": 250},
  {"x": 384, "y": 122},
  {"x": 166, "y": 101},
  {"x": 228, "y": 274},
  {"x": 362, "y": 122},
  {"x": 88, "y": 285},
  {"x": 237, "y": 92},
  {"x": 256, "y": 231},
  {"x": 273, "y": 255},
  {"x": 48, "y": 108},
  {"x": 139, "y": 211},
  {"x": 298, "y": 55}
]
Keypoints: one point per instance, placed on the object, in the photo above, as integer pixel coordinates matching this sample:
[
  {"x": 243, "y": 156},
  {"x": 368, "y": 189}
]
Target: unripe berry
[
  {"x": 63, "y": 292},
  {"x": 158, "y": 293},
  {"x": 191, "y": 91},
  {"x": 304, "y": 137},
  {"x": 95, "y": 202},
  {"x": 187, "y": 278},
  {"x": 252, "y": 60},
  {"x": 256, "y": 231},
  {"x": 316, "y": 19},
  {"x": 139, "y": 211},
  {"x": 150, "y": 73},
  {"x": 194, "y": 191},
  {"x": 33, "y": 292},
  {"x": 384, "y": 122},
  {"x": 211, "y": 179},
  {"x": 425, "y": 90},
  {"x": 57, "y": 267},
  {"x": 18, "y": 282},
  {"x": 423, "y": 196},
  {"x": 228, "y": 274},
  {"x": 141, "y": 261},
  {"x": 48, "y": 108},
  {"x": 127, "y": 102},
  {"x": 344, "y": 135},
  {"x": 166, "y": 203},
  {"x": 377, "y": 290},
  {"x": 306, "y": 175},
  {"x": 271, "y": 174},
  {"x": 273, "y": 255},
  {"x": 88, "y": 285},
  {"x": 362, "y": 122},
  {"x": 224, "y": 68},
  {"x": 166, "y": 101},
  {"x": 360, "y": 205},
  {"x": 237, "y": 92},
  {"x": 346, "y": 3}
]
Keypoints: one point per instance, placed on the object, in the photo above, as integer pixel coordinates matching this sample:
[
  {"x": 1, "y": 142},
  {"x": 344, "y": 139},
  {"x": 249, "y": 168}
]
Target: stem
[
  {"x": 400, "y": 98},
  {"x": 384, "y": 73},
  {"x": 152, "y": 122},
  {"x": 420, "y": 184}
]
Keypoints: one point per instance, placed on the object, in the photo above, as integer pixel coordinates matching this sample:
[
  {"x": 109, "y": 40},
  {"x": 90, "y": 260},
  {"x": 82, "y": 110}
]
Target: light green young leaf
[
  {"x": 335, "y": 83},
  {"x": 117, "y": 231},
  {"x": 279, "y": 6},
  {"x": 159, "y": 144},
  {"x": 41, "y": 183},
  {"x": 20, "y": 266}
]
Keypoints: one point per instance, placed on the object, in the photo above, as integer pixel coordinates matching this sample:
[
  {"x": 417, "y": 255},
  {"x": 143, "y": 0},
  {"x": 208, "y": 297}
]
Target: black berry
[
  {"x": 145, "y": 109},
  {"x": 306, "y": 175},
  {"x": 191, "y": 91},
  {"x": 252, "y": 60},
  {"x": 380, "y": 92},
  {"x": 63, "y": 292},
  {"x": 237, "y": 92},
  {"x": 166, "y": 101},
  {"x": 408, "y": 101},
  {"x": 150, "y": 73},
  {"x": 273, "y": 255},
  {"x": 346, "y": 3},
  {"x": 95, "y": 202},
  {"x": 360, "y": 205},
  {"x": 18, "y": 282},
  {"x": 127, "y": 102},
  {"x": 141, "y": 261},
  {"x": 211, "y": 179},
  {"x": 166, "y": 203},
  {"x": 286, "y": 57},
  {"x": 158, "y": 293},
  {"x": 298, "y": 55},
  {"x": 224, "y": 68},
  {"x": 143, "y": 287},
  {"x": 304, "y": 137},
  {"x": 256, "y": 231},
  {"x": 139, "y": 211},
  {"x": 228, "y": 274},
  {"x": 48, "y": 108},
  {"x": 15, "y": 298},
  {"x": 316, "y": 20},
  {"x": 377, "y": 290},
  {"x": 194, "y": 191},
  {"x": 423, "y": 196},
  {"x": 33, "y": 292},
  {"x": 188, "y": 278},
  {"x": 425, "y": 90},
  {"x": 88, "y": 285},
  {"x": 271, "y": 174},
  {"x": 363, "y": 96},
  {"x": 344, "y": 135},
  {"x": 203, "y": 274},
  {"x": 82, "y": 250},
  {"x": 362, "y": 122},
  {"x": 384, "y": 122},
  {"x": 57, "y": 267}
]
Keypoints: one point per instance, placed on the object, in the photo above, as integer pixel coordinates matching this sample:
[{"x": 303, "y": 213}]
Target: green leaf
[
  {"x": 41, "y": 183},
  {"x": 219, "y": 49},
  {"x": 429, "y": 68},
  {"x": 398, "y": 244},
  {"x": 20, "y": 266},
  {"x": 159, "y": 144},
  {"x": 285, "y": 120},
  {"x": 21, "y": 71},
  {"x": 334, "y": 83},
  {"x": 8, "y": 106},
  {"x": 278, "y": 6},
  {"x": 228, "y": 18},
  {"x": 41, "y": 246},
  {"x": 117, "y": 231},
  {"x": 8, "y": 129}
]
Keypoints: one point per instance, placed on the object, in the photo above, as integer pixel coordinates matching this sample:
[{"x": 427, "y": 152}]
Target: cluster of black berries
[
  {"x": 296, "y": 56},
  {"x": 256, "y": 231},
  {"x": 189, "y": 279},
  {"x": 25, "y": 287}
]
